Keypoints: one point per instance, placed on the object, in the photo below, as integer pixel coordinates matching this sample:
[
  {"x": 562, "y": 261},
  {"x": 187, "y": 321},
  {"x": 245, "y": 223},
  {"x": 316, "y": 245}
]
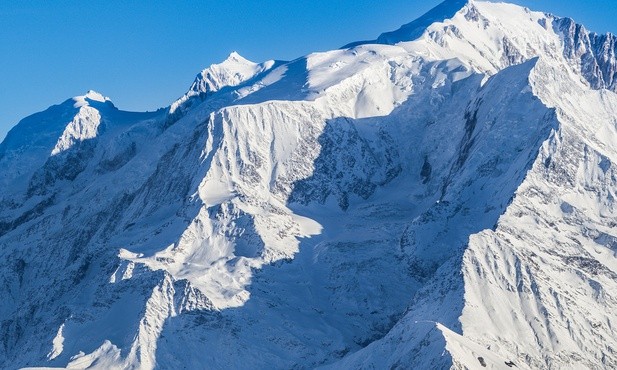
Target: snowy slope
[{"x": 440, "y": 197}]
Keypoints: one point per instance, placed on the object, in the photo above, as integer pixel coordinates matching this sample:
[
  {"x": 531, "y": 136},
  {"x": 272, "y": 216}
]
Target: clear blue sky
[{"x": 144, "y": 54}]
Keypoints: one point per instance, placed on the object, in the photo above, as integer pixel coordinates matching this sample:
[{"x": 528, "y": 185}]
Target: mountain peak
[
  {"x": 231, "y": 72},
  {"x": 414, "y": 29},
  {"x": 94, "y": 95},
  {"x": 234, "y": 56},
  {"x": 90, "y": 96}
]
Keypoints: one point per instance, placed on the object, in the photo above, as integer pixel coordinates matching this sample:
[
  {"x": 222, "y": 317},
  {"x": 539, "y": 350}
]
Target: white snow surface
[{"x": 440, "y": 197}]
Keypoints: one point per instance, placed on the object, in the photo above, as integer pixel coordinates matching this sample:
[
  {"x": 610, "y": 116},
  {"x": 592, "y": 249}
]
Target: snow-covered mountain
[{"x": 440, "y": 197}]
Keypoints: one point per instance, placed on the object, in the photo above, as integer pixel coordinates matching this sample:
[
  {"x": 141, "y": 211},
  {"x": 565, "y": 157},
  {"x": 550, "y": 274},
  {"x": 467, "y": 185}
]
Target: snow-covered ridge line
[
  {"x": 594, "y": 55},
  {"x": 413, "y": 30}
]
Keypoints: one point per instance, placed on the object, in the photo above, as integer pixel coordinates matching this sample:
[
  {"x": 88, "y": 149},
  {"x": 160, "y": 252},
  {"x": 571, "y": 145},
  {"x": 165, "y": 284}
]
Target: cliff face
[{"x": 593, "y": 53}]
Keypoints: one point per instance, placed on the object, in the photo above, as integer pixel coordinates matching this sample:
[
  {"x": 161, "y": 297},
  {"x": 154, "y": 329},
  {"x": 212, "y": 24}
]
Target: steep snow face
[
  {"x": 441, "y": 197},
  {"x": 497, "y": 137},
  {"x": 45, "y": 147},
  {"x": 28, "y": 144},
  {"x": 549, "y": 266},
  {"x": 84, "y": 126}
]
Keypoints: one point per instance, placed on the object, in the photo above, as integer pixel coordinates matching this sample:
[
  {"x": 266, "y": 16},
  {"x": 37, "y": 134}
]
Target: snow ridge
[{"x": 415, "y": 29}]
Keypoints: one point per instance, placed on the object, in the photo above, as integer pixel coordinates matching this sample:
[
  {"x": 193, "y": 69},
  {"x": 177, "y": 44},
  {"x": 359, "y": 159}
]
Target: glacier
[{"x": 440, "y": 197}]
